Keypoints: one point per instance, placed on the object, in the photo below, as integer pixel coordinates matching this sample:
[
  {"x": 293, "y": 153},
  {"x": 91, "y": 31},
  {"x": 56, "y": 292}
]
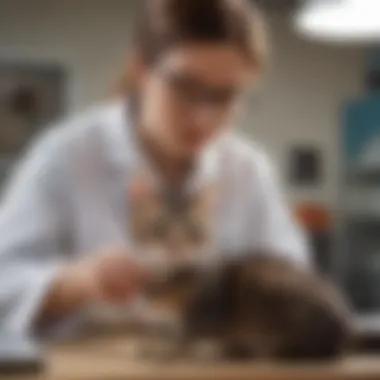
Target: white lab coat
[{"x": 67, "y": 199}]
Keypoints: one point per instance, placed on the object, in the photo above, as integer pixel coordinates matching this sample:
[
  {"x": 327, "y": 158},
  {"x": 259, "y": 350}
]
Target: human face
[{"x": 191, "y": 94}]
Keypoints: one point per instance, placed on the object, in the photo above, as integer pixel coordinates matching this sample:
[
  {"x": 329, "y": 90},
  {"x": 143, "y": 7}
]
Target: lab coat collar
[{"x": 126, "y": 155}]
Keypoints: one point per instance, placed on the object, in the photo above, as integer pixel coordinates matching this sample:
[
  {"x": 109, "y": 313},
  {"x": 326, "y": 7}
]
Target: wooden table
[{"x": 107, "y": 359}]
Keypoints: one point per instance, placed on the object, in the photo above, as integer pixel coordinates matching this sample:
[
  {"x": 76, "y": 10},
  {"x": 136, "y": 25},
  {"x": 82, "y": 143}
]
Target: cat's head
[{"x": 157, "y": 225}]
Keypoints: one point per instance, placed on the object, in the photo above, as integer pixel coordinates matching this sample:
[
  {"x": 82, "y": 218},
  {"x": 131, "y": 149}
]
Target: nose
[{"x": 206, "y": 116}]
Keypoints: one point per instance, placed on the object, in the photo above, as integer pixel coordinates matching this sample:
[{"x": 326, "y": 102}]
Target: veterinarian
[{"x": 66, "y": 216}]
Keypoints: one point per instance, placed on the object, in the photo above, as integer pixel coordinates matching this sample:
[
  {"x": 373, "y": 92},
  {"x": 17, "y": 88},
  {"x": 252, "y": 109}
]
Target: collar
[{"x": 126, "y": 156}]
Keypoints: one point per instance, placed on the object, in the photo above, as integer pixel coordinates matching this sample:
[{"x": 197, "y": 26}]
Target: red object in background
[
  {"x": 317, "y": 221},
  {"x": 313, "y": 217}
]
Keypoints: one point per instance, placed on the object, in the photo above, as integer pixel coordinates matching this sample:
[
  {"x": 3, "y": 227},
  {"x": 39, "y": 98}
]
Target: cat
[
  {"x": 169, "y": 224},
  {"x": 255, "y": 306},
  {"x": 166, "y": 227}
]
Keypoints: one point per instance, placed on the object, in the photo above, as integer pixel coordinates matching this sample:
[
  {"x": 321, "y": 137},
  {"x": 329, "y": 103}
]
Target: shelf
[{"x": 362, "y": 175}]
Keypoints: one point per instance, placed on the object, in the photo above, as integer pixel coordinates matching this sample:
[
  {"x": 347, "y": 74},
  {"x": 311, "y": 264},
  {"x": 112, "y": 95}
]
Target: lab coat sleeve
[
  {"x": 278, "y": 231},
  {"x": 31, "y": 225}
]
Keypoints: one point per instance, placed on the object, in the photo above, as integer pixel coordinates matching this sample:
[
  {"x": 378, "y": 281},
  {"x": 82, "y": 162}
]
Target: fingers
[{"x": 119, "y": 278}]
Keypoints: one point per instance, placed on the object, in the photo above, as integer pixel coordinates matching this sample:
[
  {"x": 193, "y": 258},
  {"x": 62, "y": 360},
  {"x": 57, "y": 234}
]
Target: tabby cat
[
  {"x": 256, "y": 306},
  {"x": 169, "y": 223}
]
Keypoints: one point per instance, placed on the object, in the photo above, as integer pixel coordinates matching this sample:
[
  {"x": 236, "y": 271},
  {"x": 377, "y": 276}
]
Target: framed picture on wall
[
  {"x": 305, "y": 166},
  {"x": 31, "y": 97}
]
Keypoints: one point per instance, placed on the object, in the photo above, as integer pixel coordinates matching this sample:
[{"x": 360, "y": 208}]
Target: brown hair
[{"x": 165, "y": 23}]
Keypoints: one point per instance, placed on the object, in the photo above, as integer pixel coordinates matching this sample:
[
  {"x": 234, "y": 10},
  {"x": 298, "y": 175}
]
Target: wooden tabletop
[{"x": 109, "y": 359}]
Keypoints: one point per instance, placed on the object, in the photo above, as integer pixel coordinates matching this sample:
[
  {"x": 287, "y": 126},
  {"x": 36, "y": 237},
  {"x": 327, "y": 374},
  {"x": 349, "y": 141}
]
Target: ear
[
  {"x": 137, "y": 67},
  {"x": 131, "y": 75}
]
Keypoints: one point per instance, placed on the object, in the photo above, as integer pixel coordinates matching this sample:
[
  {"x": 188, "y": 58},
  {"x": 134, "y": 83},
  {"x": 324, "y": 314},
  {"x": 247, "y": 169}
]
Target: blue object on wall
[
  {"x": 361, "y": 125},
  {"x": 361, "y": 119}
]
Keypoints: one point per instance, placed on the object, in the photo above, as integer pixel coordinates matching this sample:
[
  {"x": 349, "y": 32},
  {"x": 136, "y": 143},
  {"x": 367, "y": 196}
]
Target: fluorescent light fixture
[{"x": 340, "y": 20}]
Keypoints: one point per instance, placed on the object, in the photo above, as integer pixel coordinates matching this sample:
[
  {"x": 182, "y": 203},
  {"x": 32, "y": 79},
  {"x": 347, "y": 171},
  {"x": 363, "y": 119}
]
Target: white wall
[{"x": 299, "y": 103}]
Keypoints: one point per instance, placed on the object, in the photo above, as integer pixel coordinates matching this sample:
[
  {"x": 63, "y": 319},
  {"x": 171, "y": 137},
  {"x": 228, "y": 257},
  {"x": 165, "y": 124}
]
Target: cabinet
[{"x": 359, "y": 211}]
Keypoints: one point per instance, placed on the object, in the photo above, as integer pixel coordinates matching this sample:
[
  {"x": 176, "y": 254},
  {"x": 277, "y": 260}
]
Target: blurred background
[{"x": 317, "y": 110}]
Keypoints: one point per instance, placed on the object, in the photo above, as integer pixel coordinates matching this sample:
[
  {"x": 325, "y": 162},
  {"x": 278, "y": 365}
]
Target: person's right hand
[{"x": 109, "y": 275}]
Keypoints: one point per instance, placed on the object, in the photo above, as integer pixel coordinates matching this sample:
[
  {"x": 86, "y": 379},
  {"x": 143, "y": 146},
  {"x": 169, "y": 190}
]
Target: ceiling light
[{"x": 340, "y": 20}]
